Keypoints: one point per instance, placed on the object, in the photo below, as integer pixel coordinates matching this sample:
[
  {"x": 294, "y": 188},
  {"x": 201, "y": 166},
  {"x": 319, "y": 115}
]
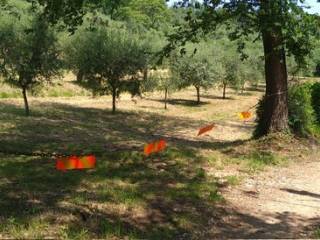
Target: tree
[
  {"x": 162, "y": 80},
  {"x": 108, "y": 60},
  {"x": 151, "y": 13},
  {"x": 231, "y": 74},
  {"x": 29, "y": 53},
  {"x": 196, "y": 69},
  {"x": 284, "y": 28}
]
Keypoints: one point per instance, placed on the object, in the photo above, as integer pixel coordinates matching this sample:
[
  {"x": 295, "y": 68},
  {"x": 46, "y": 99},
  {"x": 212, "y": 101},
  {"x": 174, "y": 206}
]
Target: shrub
[
  {"x": 315, "y": 100},
  {"x": 301, "y": 113}
]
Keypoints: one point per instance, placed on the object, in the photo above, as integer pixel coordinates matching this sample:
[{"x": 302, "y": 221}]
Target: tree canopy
[
  {"x": 107, "y": 60},
  {"x": 29, "y": 52}
]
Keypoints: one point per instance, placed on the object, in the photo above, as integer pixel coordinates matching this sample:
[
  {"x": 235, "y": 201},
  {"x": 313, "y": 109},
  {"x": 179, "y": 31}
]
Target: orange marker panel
[
  {"x": 74, "y": 162},
  {"x": 160, "y": 145},
  {"x": 155, "y": 147},
  {"x": 245, "y": 115},
  {"x": 205, "y": 129},
  {"x": 148, "y": 149}
]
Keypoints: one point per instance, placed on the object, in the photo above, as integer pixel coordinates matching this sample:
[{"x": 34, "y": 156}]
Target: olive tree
[
  {"x": 196, "y": 69},
  {"x": 108, "y": 60},
  {"x": 162, "y": 80},
  {"x": 29, "y": 53}
]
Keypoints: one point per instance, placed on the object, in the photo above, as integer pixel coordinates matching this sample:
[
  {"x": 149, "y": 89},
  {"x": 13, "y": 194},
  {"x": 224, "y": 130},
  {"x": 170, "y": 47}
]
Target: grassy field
[{"x": 172, "y": 195}]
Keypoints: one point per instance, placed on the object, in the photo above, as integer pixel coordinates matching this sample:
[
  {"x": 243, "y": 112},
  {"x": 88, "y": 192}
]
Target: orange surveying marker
[
  {"x": 74, "y": 162},
  {"x": 206, "y": 129},
  {"x": 154, "y": 147},
  {"x": 245, "y": 115}
]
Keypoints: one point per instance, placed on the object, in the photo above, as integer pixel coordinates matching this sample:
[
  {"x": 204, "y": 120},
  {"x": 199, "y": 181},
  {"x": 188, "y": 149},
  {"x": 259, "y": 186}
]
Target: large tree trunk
[
  {"x": 275, "y": 107},
  {"x": 224, "y": 91},
  {"x": 198, "y": 94},
  {"x": 26, "y": 104},
  {"x": 165, "y": 98}
]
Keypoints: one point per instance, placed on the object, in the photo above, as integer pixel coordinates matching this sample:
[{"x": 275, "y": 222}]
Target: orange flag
[
  {"x": 75, "y": 162},
  {"x": 160, "y": 145},
  {"x": 148, "y": 149},
  {"x": 154, "y": 147},
  {"x": 245, "y": 115},
  {"x": 206, "y": 129}
]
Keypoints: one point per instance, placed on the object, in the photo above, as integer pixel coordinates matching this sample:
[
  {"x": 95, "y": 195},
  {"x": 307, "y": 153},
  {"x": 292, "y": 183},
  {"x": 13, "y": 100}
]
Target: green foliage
[
  {"x": 108, "y": 60},
  {"x": 29, "y": 52},
  {"x": 282, "y": 25},
  {"x": 301, "y": 113},
  {"x": 196, "y": 69},
  {"x": 257, "y": 161},
  {"x": 315, "y": 94},
  {"x": 316, "y": 233},
  {"x": 150, "y": 14}
]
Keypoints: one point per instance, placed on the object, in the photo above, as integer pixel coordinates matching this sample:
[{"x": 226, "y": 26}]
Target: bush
[
  {"x": 315, "y": 100},
  {"x": 301, "y": 114}
]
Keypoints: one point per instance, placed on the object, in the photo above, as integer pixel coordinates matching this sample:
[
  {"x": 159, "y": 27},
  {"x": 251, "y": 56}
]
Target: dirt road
[{"x": 280, "y": 203}]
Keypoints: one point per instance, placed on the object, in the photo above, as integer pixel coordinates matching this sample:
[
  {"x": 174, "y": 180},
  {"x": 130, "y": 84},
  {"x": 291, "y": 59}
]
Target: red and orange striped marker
[
  {"x": 74, "y": 162},
  {"x": 155, "y": 147},
  {"x": 206, "y": 129}
]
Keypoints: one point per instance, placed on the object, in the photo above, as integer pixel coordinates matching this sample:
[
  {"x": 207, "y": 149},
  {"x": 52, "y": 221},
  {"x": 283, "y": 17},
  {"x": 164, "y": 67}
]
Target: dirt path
[{"x": 279, "y": 203}]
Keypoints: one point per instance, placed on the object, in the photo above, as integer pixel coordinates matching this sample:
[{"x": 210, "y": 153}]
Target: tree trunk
[
  {"x": 165, "y": 98},
  {"x": 145, "y": 74},
  {"x": 26, "y": 104},
  {"x": 242, "y": 88},
  {"x": 224, "y": 91},
  {"x": 114, "y": 96},
  {"x": 198, "y": 95},
  {"x": 275, "y": 109}
]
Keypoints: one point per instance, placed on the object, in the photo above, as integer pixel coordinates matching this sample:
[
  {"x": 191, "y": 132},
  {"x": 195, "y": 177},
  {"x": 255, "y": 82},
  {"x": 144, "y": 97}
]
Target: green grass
[
  {"x": 233, "y": 180},
  {"x": 67, "y": 89},
  {"x": 317, "y": 233},
  {"x": 165, "y": 196},
  {"x": 38, "y": 201},
  {"x": 257, "y": 161}
]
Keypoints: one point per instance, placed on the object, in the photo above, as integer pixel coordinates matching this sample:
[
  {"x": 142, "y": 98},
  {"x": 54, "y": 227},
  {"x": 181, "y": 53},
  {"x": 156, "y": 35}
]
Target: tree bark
[
  {"x": 224, "y": 91},
  {"x": 114, "y": 96},
  {"x": 275, "y": 109},
  {"x": 198, "y": 95},
  {"x": 242, "y": 88},
  {"x": 165, "y": 98},
  {"x": 26, "y": 104}
]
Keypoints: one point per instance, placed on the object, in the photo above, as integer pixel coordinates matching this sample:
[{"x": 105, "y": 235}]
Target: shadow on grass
[
  {"x": 67, "y": 129},
  {"x": 214, "y": 97},
  {"x": 260, "y": 88},
  {"x": 167, "y": 196},
  {"x": 126, "y": 196},
  {"x": 182, "y": 102}
]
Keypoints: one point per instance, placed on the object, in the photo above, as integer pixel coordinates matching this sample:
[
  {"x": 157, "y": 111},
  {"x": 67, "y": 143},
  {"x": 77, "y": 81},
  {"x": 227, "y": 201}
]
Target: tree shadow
[
  {"x": 165, "y": 196},
  {"x": 214, "y": 97},
  {"x": 260, "y": 88},
  {"x": 182, "y": 102},
  {"x": 245, "y": 226},
  {"x": 67, "y": 129},
  {"x": 301, "y": 192},
  {"x": 178, "y": 202}
]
